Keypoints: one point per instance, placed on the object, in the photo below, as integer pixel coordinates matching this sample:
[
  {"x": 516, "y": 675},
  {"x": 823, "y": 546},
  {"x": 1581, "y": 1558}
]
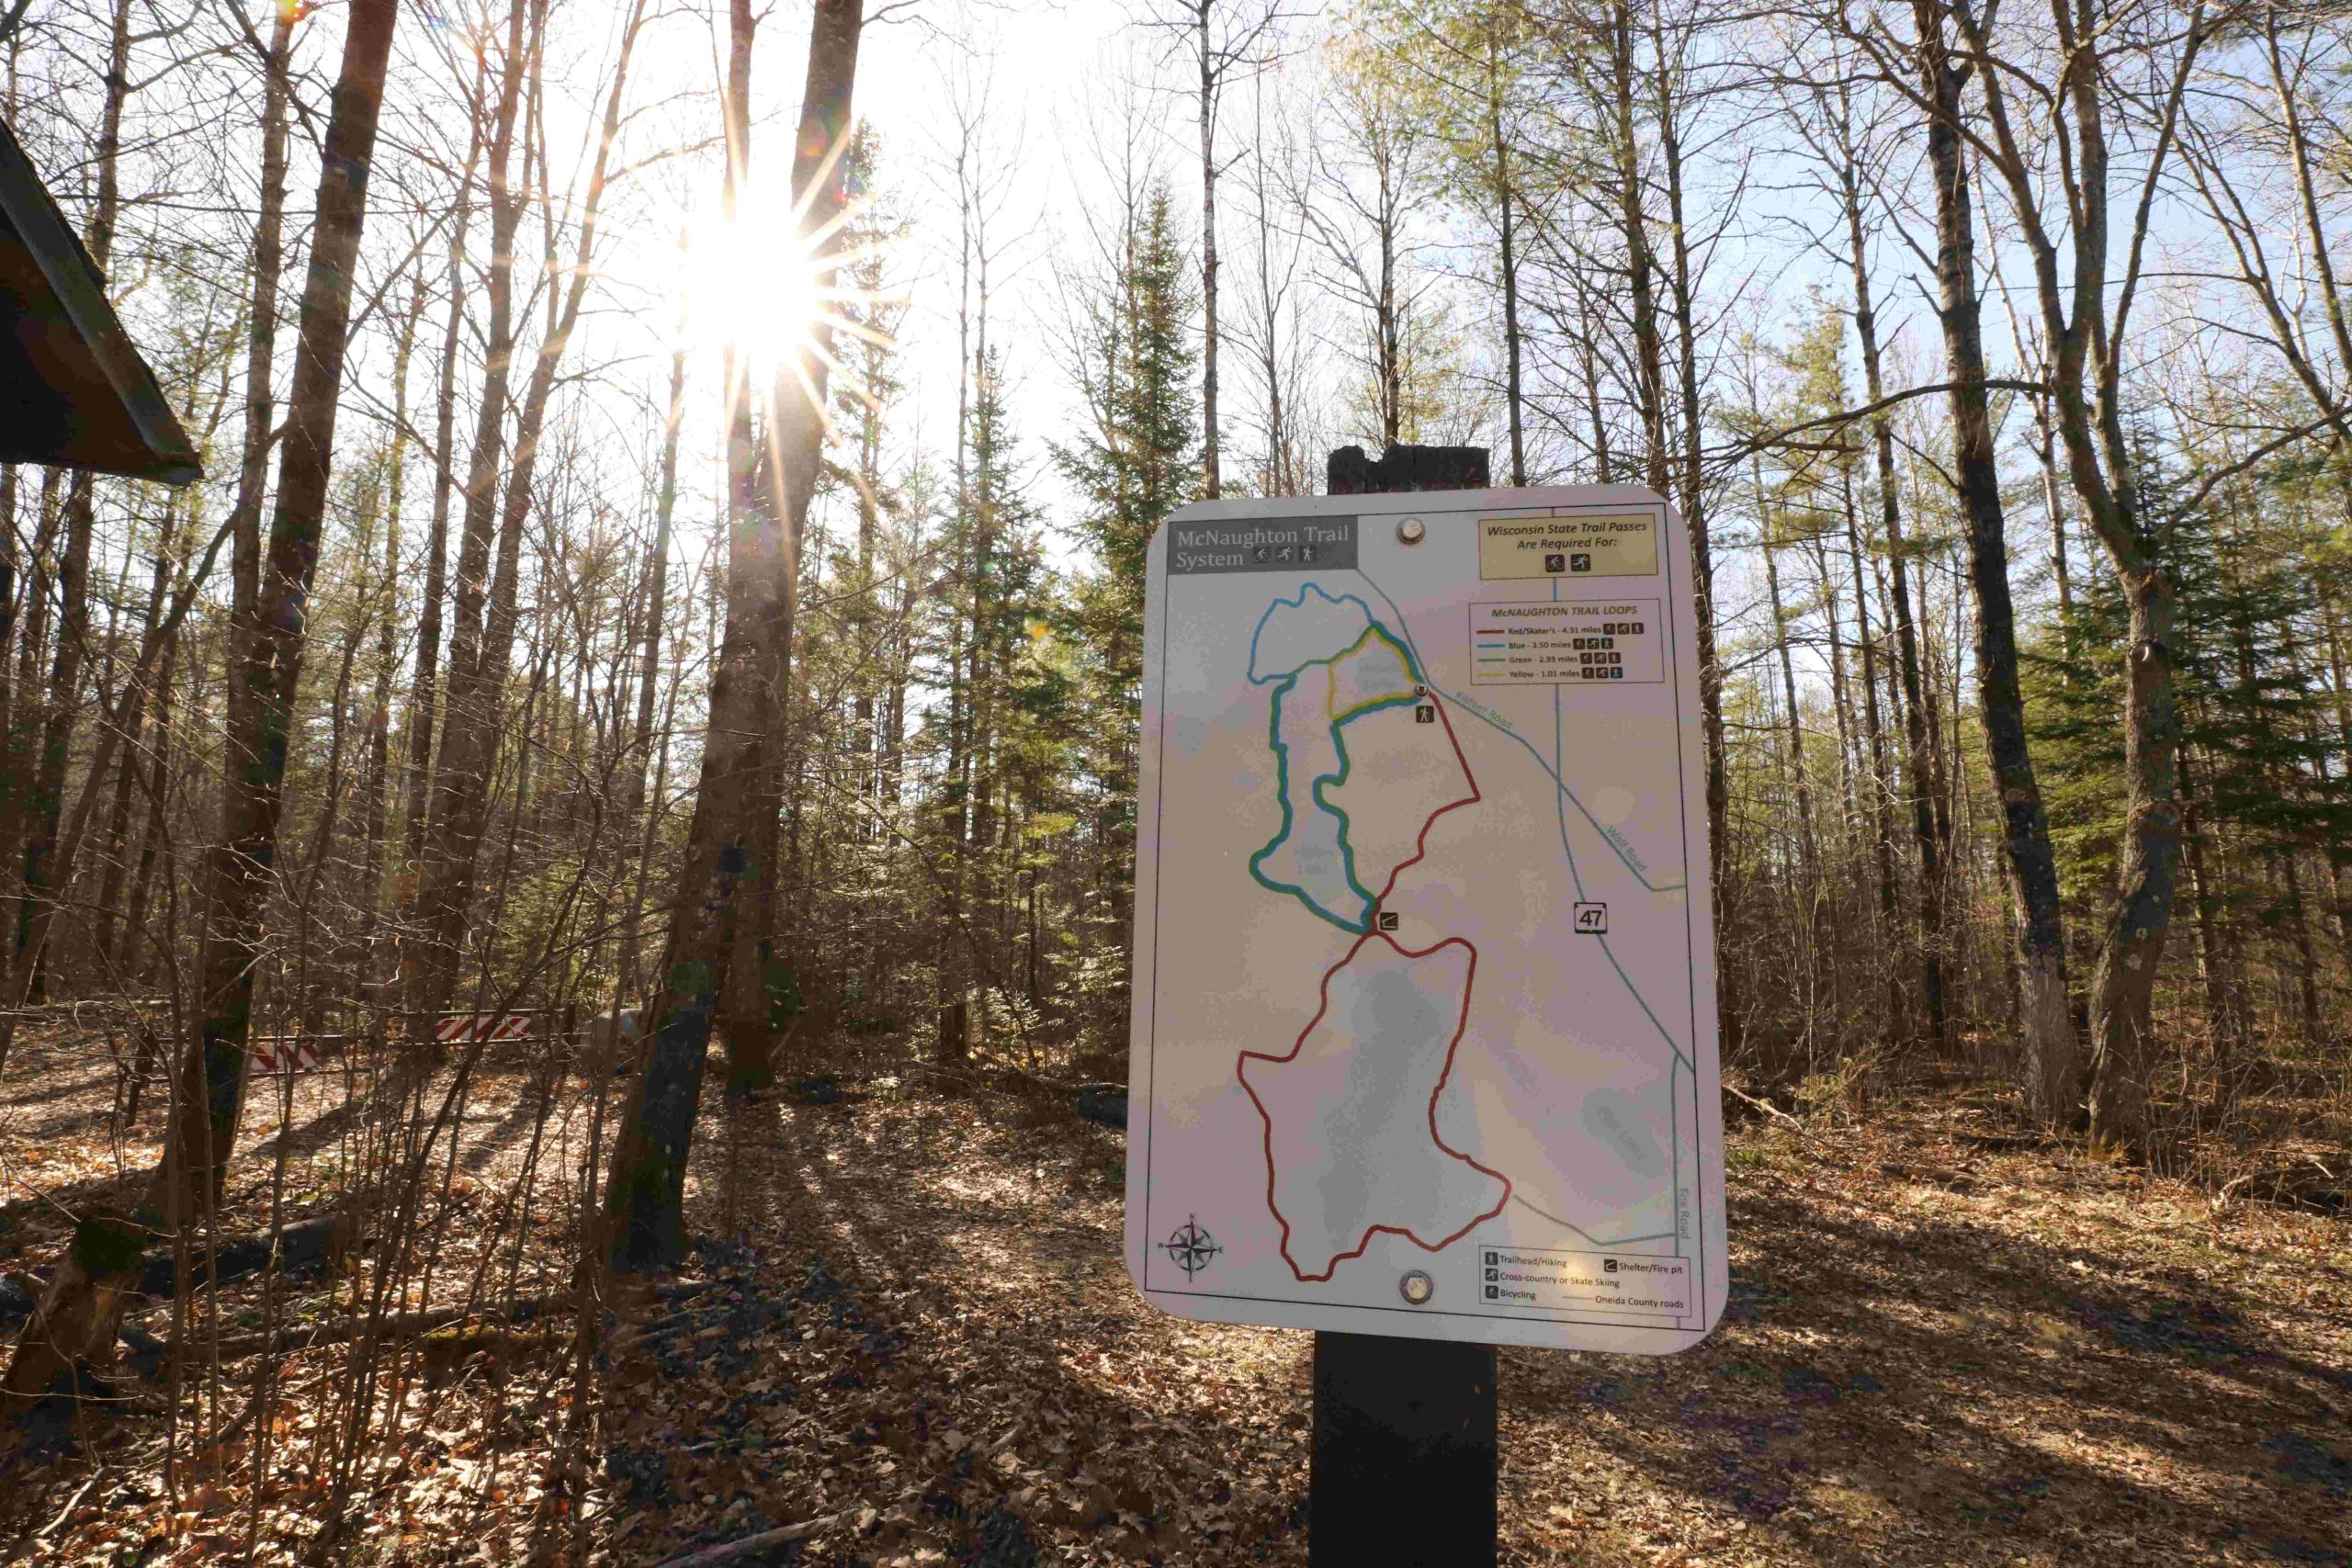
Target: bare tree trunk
[
  {"x": 2048, "y": 1066},
  {"x": 1809, "y": 890},
  {"x": 1796, "y": 775},
  {"x": 62, "y": 712},
  {"x": 130, "y": 718},
  {"x": 444, "y": 881},
  {"x": 1389, "y": 319},
  {"x": 261, "y": 345},
  {"x": 2061, "y": 567},
  {"x": 1601, "y": 471},
  {"x": 1212, "y": 479},
  {"x": 2213, "y": 964},
  {"x": 1841, "y": 700},
  {"x": 2086, "y": 346},
  {"x": 1641, "y": 260},
  {"x": 112, "y": 737},
  {"x": 23, "y": 737},
  {"x": 243, "y": 528},
  {"x": 762, "y": 572},
  {"x": 81, "y": 1306},
  {"x": 644, "y": 1211},
  {"x": 485, "y": 636},
  {"x": 1506, "y": 257},
  {"x": 2339, "y": 685},
  {"x": 2315, "y": 231},
  {"x": 424, "y": 684},
  {"x": 950, "y": 970},
  {"x": 1925, "y": 767},
  {"x": 134, "y": 966},
  {"x": 1282, "y": 477},
  {"x": 979, "y": 747},
  {"x": 2124, "y": 990},
  {"x": 59, "y": 715},
  {"x": 269, "y": 663},
  {"x": 657, "y": 610},
  {"x": 2299, "y": 926},
  {"x": 377, "y": 813},
  {"x": 1882, "y": 784},
  {"x": 1692, "y": 499},
  {"x": 15, "y": 589}
]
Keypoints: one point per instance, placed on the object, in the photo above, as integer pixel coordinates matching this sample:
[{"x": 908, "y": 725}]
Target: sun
[
  {"x": 773, "y": 293},
  {"x": 751, "y": 287}
]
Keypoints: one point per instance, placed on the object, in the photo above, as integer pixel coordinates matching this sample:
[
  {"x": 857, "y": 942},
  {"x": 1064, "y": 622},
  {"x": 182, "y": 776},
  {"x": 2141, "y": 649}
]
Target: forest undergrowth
[{"x": 905, "y": 1336}]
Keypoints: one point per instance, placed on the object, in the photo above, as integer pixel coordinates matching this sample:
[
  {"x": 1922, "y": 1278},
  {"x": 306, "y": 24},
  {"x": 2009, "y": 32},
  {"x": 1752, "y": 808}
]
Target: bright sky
[
  {"x": 1033, "y": 67},
  {"x": 1048, "y": 80},
  {"x": 1029, "y": 67}
]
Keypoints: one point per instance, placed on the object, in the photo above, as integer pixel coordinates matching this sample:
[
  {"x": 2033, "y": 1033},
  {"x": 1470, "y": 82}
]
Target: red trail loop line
[{"x": 1323, "y": 1005}]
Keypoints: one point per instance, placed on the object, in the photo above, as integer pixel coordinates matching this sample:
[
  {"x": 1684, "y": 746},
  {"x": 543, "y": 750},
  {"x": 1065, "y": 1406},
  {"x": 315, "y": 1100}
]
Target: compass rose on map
[{"x": 1189, "y": 1247}]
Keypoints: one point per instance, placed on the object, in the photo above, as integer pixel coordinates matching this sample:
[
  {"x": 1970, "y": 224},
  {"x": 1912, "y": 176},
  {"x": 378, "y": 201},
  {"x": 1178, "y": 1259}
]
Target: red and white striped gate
[
  {"x": 489, "y": 1027},
  {"x": 285, "y": 1056}
]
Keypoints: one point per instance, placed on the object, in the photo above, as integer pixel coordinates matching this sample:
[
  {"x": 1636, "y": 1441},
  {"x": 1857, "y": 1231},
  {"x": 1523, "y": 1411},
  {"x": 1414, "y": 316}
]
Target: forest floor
[{"x": 909, "y": 1330}]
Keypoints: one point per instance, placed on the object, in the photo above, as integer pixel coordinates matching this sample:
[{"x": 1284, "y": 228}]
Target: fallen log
[
  {"x": 302, "y": 1248},
  {"x": 451, "y": 1332},
  {"x": 711, "y": 1556},
  {"x": 1103, "y": 1103},
  {"x": 19, "y": 1294},
  {"x": 149, "y": 1353}
]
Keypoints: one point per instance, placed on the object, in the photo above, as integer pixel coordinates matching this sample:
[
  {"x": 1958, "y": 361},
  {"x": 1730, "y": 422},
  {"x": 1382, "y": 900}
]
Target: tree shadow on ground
[
  {"x": 1887, "y": 1382},
  {"x": 20, "y": 1099},
  {"x": 300, "y": 1140},
  {"x": 508, "y": 1129},
  {"x": 1879, "y": 1381},
  {"x": 1042, "y": 1377},
  {"x": 45, "y": 1209}
]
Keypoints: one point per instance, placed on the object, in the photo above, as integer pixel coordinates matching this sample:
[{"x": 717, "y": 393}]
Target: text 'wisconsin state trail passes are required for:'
[{"x": 1424, "y": 1023}]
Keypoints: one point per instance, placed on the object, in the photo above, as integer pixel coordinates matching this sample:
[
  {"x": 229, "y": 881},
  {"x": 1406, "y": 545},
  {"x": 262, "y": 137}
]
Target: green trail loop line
[
  {"x": 1454, "y": 1043},
  {"x": 1479, "y": 711},
  {"x": 1337, "y": 721}
]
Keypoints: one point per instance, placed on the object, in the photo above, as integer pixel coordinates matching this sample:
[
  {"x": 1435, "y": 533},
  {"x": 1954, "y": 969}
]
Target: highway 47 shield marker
[{"x": 1424, "y": 1014}]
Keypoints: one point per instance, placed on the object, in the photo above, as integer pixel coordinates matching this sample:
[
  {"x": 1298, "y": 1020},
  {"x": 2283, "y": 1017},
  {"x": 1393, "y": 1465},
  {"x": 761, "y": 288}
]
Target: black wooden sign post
[{"x": 1403, "y": 1473}]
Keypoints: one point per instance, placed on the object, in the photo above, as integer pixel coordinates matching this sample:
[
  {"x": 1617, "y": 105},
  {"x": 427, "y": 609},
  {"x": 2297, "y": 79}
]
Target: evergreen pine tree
[
  {"x": 2253, "y": 729},
  {"x": 1134, "y": 467}
]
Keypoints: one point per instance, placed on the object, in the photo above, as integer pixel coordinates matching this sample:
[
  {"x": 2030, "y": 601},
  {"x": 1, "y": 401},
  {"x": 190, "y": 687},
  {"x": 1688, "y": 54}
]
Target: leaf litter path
[
  {"x": 1942, "y": 1347},
  {"x": 1946, "y": 1345}
]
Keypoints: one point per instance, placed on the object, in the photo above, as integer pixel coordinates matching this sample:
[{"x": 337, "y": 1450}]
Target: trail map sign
[{"x": 1424, "y": 1018}]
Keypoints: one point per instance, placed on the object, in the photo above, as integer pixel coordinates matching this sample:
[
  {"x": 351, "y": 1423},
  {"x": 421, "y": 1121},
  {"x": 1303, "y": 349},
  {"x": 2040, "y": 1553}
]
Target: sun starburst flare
[{"x": 758, "y": 289}]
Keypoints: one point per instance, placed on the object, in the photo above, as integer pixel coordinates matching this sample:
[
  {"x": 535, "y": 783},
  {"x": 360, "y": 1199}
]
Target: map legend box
[
  {"x": 1631, "y": 1283},
  {"x": 1566, "y": 642}
]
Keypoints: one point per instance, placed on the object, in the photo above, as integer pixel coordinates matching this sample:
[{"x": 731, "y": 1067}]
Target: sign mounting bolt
[
  {"x": 1416, "y": 1287},
  {"x": 1409, "y": 531}
]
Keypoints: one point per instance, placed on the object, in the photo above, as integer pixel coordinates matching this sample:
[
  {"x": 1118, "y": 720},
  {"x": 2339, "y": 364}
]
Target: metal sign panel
[{"x": 1424, "y": 1010}]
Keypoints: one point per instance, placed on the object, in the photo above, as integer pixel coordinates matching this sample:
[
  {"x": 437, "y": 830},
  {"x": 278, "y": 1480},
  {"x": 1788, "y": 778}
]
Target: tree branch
[
  {"x": 2222, "y": 475},
  {"x": 1738, "y": 450}
]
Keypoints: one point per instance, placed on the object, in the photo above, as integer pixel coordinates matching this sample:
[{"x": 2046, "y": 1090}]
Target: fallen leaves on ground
[{"x": 1945, "y": 1345}]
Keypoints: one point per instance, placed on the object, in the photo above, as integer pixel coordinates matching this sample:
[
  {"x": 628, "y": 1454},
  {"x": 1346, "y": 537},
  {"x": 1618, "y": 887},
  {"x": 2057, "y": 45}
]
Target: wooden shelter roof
[{"x": 73, "y": 392}]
